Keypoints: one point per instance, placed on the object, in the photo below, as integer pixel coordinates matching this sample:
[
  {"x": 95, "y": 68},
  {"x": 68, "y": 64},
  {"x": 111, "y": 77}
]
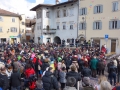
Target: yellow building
[
  {"x": 100, "y": 19},
  {"x": 11, "y": 27}
]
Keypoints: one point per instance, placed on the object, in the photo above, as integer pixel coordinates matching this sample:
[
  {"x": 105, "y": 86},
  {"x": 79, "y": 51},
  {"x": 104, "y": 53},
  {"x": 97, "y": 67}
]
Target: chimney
[{"x": 57, "y": 2}]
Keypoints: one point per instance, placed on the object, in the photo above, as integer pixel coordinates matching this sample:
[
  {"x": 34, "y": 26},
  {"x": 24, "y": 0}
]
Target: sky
[{"x": 24, "y": 6}]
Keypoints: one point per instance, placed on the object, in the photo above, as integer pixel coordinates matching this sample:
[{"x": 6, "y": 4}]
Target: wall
[
  {"x": 6, "y": 25},
  {"x": 105, "y": 17}
]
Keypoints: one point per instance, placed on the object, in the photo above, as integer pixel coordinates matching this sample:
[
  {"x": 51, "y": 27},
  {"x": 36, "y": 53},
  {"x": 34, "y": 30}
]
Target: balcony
[{"x": 49, "y": 31}]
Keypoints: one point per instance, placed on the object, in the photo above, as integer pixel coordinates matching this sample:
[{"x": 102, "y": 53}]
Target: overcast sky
[{"x": 23, "y": 6}]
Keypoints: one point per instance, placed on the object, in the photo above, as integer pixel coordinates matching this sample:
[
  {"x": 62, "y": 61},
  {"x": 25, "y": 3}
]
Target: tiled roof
[{"x": 8, "y": 13}]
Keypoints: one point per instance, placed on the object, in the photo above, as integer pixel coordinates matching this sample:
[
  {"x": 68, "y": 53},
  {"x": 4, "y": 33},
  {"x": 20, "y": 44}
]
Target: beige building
[
  {"x": 11, "y": 27},
  {"x": 99, "y": 19}
]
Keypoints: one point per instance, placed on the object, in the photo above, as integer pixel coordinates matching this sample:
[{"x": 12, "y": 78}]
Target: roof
[
  {"x": 8, "y": 13},
  {"x": 40, "y": 5},
  {"x": 49, "y": 5},
  {"x": 32, "y": 21}
]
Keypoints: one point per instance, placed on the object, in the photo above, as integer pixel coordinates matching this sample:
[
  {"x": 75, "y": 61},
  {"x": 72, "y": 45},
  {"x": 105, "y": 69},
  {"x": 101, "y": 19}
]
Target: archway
[
  {"x": 82, "y": 39},
  {"x": 57, "y": 40}
]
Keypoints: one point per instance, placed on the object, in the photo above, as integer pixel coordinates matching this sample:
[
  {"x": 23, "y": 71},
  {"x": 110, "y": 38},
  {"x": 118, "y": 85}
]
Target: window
[
  {"x": 71, "y": 25},
  {"x": 13, "y": 29},
  {"x": 98, "y": 9},
  {"x": 37, "y": 26},
  {"x": 58, "y": 13},
  {"x": 115, "y": 6},
  {"x": 64, "y": 13},
  {"x": 97, "y": 25},
  {"x": 22, "y": 30},
  {"x": 47, "y": 14},
  {"x": 0, "y": 29},
  {"x": 1, "y": 18},
  {"x": 39, "y": 14},
  {"x": 58, "y": 25},
  {"x": 23, "y": 23},
  {"x": 13, "y": 19},
  {"x": 114, "y": 24},
  {"x": 82, "y": 26},
  {"x": 64, "y": 25},
  {"x": 71, "y": 12},
  {"x": 83, "y": 11}
]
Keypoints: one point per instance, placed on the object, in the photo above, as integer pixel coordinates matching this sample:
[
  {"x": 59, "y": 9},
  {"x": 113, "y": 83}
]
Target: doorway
[
  {"x": 13, "y": 40},
  {"x": 57, "y": 40},
  {"x": 28, "y": 38},
  {"x": 113, "y": 45}
]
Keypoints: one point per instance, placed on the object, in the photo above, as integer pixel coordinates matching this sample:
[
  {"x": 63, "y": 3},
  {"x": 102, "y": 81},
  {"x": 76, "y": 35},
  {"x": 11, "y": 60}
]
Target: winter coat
[
  {"x": 69, "y": 88},
  {"x": 76, "y": 75},
  {"x": 50, "y": 81},
  {"x": 93, "y": 63},
  {"x": 5, "y": 82},
  {"x": 86, "y": 72},
  {"x": 62, "y": 77},
  {"x": 68, "y": 63},
  {"x": 29, "y": 72},
  {"x": 101, "y": 65},
  {"x": 15, "y": 79},
  {"x": 45, "y": 65},
  {"x": 75, "y": 63}
]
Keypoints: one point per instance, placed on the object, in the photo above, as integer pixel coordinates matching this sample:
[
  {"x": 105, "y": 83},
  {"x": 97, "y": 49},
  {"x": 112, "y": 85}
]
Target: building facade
[
  {"x": 29, "y": 32},
  {"x": 99, "y": 21},
  {"x": 11, "y": 27},
  {"x": 56, "y": 22}
]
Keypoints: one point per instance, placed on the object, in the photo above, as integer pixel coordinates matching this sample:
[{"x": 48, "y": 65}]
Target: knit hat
[{"x": 86, "y": 81}]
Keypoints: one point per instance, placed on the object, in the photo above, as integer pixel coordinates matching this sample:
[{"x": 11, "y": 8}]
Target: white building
[{"x": 56, "y": 22}]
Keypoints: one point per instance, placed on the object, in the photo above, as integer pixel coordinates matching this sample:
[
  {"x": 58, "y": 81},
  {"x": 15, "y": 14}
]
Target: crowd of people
[{"x": 57, "y": 68}]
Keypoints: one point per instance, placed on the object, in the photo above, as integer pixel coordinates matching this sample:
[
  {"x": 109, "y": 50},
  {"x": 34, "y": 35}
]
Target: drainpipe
[{"x": 78, "y": 19}]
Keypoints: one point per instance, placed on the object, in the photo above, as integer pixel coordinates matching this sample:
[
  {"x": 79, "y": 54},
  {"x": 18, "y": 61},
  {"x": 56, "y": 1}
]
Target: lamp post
[{"x": 84, "y": 24}]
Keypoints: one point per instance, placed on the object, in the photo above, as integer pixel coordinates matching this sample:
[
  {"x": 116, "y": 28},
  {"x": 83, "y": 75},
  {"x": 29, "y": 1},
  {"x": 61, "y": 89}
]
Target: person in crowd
[
  {"x": 101, "y": 66},
  {"x": 45, "y": 65},
  {"x": 112, "y": 73},
  {"x": 86, "y": 84},
  {"x": 86, "y": 72},
  {"x": 4, "y": 82},
  {"x": 15, "y": 80},
  {"x": 100, "y": 79},
  {"x": 62, "y": 77},
  {"x": 93, "y": 65},
  {"x": 71, "y": 81},
  {"x": 105, "y": 85},
  {"x": 74, "y": 74},
  {"x": 118, "y": 70},
  {"x": 49, "y": 80}
]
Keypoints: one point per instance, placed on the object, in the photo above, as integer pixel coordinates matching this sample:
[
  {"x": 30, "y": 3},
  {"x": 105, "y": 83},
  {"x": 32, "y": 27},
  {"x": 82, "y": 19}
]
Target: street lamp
[{"x": 84, "y": 24}]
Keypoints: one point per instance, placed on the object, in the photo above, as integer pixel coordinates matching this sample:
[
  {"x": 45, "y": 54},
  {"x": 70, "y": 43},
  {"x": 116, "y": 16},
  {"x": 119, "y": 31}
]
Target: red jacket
[
  {"x": 35, "y": 59},
  {"x": 29, "y": 72}
]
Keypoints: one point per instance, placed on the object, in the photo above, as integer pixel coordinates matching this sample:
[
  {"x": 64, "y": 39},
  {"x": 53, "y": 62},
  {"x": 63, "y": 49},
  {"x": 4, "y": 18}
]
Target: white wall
[{"x": 52, "y": 20}]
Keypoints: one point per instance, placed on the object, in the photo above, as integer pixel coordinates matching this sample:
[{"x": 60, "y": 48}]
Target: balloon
[{"x": 19, "y": 57}]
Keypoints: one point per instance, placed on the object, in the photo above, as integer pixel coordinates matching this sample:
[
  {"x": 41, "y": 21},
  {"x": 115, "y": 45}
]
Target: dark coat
[
  {"x": 15, "y": 79},
  {"x": 5, "y": 82},
  {"x": 50, "y": 81},
  {"x": 44, "y": 66},
  {"x": 86, "y": 72},
  {"x": 76, "y": 75},
  {"x": 101, "y": 65}
]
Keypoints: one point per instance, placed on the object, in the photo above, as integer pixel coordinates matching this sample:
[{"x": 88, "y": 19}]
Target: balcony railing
[{"x": 49, "y": 31}]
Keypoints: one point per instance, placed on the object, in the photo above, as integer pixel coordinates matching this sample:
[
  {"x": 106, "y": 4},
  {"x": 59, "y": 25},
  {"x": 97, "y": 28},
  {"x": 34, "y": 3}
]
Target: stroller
[{"x": 31, "y": 82}]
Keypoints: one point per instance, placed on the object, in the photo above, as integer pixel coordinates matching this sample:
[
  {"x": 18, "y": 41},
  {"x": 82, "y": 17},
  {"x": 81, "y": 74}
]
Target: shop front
[{"x": 14, "y": 39}]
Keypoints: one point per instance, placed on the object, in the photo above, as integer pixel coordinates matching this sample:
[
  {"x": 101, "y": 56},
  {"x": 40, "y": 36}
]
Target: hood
[{"x": 47, "y": 74}]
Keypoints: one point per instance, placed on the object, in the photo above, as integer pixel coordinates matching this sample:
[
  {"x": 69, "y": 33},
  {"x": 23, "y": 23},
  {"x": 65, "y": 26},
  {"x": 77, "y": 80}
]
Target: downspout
[{"x": 78, "y": 19}]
